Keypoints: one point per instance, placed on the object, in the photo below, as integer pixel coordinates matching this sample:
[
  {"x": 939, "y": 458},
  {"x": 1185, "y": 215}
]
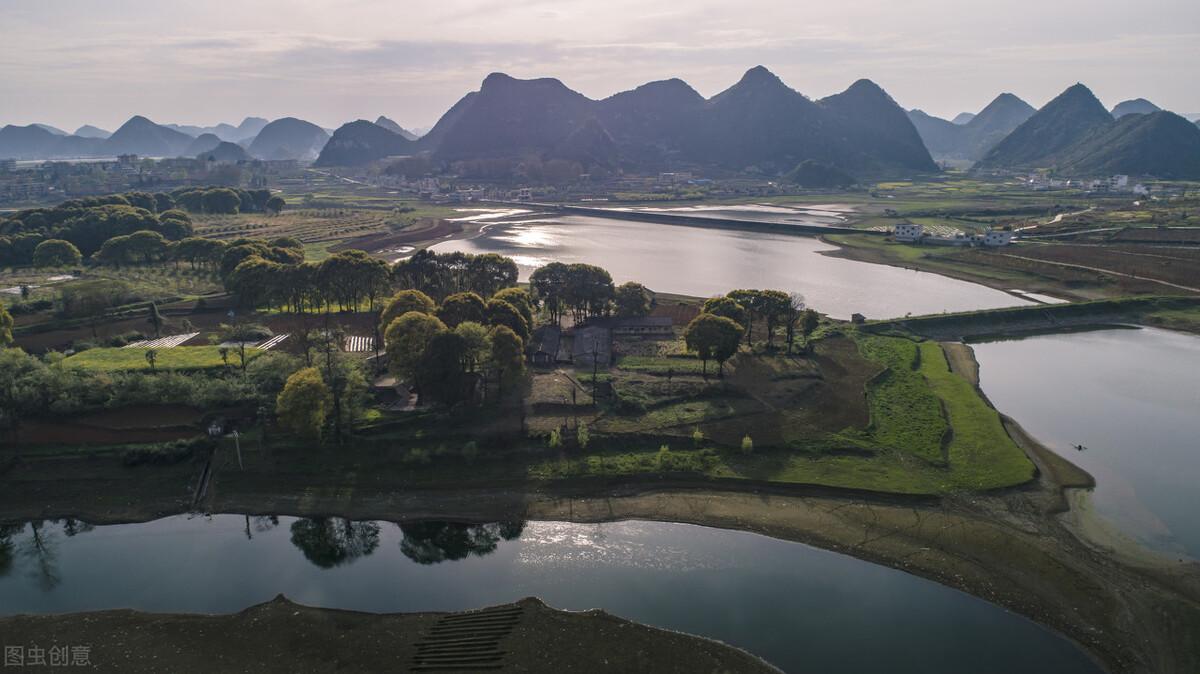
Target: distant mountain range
[
  {"x": 972, "y": 139},
  {"x": 1075, "y": 135},
  {"x": 286, "y": 138},
  {"x": 758, "y": 125}
]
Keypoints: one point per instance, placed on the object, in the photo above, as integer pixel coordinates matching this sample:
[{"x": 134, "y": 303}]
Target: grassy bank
[{"x": 178, "y": 358}]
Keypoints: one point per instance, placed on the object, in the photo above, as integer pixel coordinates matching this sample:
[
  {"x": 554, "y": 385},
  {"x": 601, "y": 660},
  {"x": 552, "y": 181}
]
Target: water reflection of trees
[
  {"x": 40, "y": 548},
  {"x": 334, "y": 541},
  {"x": 434, "y": 542}
]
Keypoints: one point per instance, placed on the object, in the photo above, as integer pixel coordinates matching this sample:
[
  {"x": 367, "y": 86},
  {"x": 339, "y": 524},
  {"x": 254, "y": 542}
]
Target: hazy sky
[{"x": 69, "y": 62}]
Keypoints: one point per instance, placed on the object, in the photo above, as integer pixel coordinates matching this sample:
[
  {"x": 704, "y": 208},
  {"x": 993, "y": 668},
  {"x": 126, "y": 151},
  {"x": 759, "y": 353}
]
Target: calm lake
[
  {"x": 1132, "y": 399},
  {"x": 801, "y": 608},
  {"x": 704, "y": 262}
]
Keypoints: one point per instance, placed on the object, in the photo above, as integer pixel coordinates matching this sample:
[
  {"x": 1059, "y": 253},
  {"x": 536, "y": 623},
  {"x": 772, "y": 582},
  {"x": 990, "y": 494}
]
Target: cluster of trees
[
  {"x": 446, "y": 351},
  {"x": 89, "y": 224},
  {"x": 442, "y": 275},
  {"x": 274, "y": 274},
  {"x": 227, "y": 200},
  {"x": 85, "y": 227},
  {"x": 718, "y": 331},
  {"x": 583, "y": 290}
]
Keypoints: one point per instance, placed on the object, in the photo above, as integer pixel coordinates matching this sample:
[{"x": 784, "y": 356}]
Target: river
[
  {"x": 704, "y": 261},
  {"x": 1131, "y": 398},
  {"x": 801, "y": 608}
]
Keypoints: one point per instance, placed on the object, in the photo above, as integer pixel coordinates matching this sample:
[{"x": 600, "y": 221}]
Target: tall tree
[
  {"x": 727, "y": 307},
  {"x": 406, "y": 340},
  {"x": 462, "y": 307},
  {"x": 500, "y": 312},
  {"x": 713, "y": 338},
  {"x": 403, "y": 302},
  {"x": 303, "y": 404},
  {"x": 6, "y": 327},
  {"x": 632, "y": 300},
  {"x": 56, "y": 253},
  {"x": 507, "y": 357}
]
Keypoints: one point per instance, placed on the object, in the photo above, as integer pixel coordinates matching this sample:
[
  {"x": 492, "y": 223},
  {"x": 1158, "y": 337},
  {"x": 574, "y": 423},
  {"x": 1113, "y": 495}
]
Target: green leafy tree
[
  {"x": 152, "y": 359},
  {"x": 747, "y": 444},
  {"x": 304, "y": 403},
  {"x": 519, "y": 298},
  {"x": 751, "y": 301},
  {"x": 727, "y": 307},
  {"x": 406, "y": 340},
  {"x": 275, "y": 205},
  {"x": 477, "y": 343},
  {"x": 713, "y": 338},
  {"x": 221, "y": 200},
  {"x": 488, "y": 273},
  {"x": 56, "y": 253},
  {"x": 500, "y": 312},
  {"x": 582, "y": 435},
  {"x": 808, "y": 323},
  {"x": 462, "y": 307},
  {"x": 6, "y": 327},
  {"x": 632, "y": 300},
  {"x": 404, "y": 302},
  {"x": 774, "y": 306},
  {"x": 441, "y": 371},
  {"x": 507, "y": 357}
]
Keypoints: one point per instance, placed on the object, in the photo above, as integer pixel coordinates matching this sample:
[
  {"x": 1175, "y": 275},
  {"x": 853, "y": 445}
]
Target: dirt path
[{"x": 1099, "y": 270}]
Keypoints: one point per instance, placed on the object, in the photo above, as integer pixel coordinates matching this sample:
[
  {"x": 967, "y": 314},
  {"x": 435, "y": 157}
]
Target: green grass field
[{"x": 178, "y": 358}]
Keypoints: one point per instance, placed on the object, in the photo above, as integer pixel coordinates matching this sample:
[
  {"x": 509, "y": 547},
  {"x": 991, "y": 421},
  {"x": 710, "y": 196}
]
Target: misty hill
[
  {"x": 203, "y": 143},
  {"x": 1160, "y": 144},
  {"x": 963, "y": 117},
  {"x": 251, "y": 127},
  {"x": 143, "y": 137},
  {"x": 89, "y": 131},
  {"x": 25, "y": 142},
  {"x": 288, "y": 138},
  {"x": 395, "y": 128},
  {"x": 944, "y": 139},
  {"x": 1071, "y": 116},
  {"x": 224, "y": 152},
  {"x": 972, "y": 140},
  {"x": 877, "y": 129},
  {"x": 758, "y": 124},
  {"x": 360, "y": 142},
  {"x": 1136, "y": 106},
  {"x": 809, "y": 173},
  {"x": 53, "y": 129}
]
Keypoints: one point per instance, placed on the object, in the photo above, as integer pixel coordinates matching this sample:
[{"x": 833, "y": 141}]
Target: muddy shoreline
[{"x": 282, "y": 636}]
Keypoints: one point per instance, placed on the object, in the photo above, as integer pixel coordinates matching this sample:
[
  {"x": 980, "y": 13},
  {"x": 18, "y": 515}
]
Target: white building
[
  {"x": 995, "y": 238},
  {"x": 1118, "y": 182},
  {"x": 908, "y": 231}
]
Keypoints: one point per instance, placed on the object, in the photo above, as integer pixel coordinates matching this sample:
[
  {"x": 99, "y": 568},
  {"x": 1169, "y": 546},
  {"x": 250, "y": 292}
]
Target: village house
[{"x": 908, "y": 231}]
